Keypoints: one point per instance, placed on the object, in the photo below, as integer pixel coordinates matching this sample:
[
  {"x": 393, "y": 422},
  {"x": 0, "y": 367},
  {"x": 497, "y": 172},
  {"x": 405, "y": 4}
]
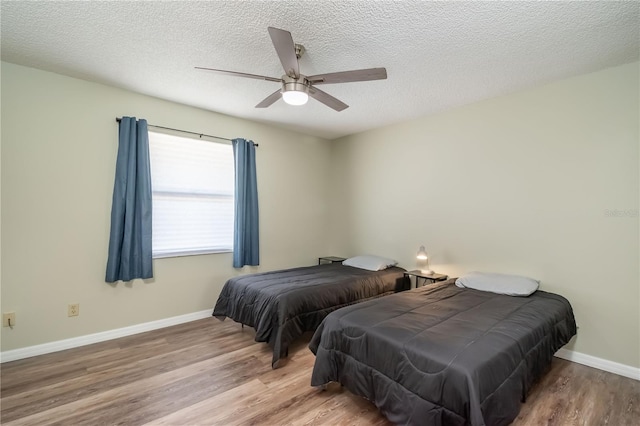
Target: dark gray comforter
[
  {"x": 443, "y": 355},
  {"x": 282, "y": 305}
]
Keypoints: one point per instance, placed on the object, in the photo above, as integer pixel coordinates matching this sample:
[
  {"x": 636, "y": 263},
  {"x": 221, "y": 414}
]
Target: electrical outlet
[
  {"x": 73, "y": 310},
  {"x": 8, "y": 319}
]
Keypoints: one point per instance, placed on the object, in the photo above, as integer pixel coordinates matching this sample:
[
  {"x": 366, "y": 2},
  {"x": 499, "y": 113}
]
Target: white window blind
[{"x": 193, "y": 184}]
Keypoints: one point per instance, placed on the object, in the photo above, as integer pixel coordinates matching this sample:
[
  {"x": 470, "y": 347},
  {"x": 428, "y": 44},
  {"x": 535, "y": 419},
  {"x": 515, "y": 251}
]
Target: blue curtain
[
  {"x": 130, "y": 238},
  {"x": 245, "y": 230}
]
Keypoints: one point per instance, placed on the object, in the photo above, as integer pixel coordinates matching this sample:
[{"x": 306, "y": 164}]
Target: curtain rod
[{"x": 186, "y": 131}]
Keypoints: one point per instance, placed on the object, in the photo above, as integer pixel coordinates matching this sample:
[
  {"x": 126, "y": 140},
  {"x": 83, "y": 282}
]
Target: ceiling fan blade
[
  {"x": 286, "y": 49},
  {"x": 349, "y": 76},
  {"x": 327, "y": 99},
  {"x": 241, "y": 74},
  {"x": 269, "y": 100}
]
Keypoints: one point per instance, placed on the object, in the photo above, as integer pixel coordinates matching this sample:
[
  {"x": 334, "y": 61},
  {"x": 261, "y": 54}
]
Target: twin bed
[
  {"x": 437, "y": 355},
  {"x": 282, "y": 305},
  {"x": 443, "y": 355}
]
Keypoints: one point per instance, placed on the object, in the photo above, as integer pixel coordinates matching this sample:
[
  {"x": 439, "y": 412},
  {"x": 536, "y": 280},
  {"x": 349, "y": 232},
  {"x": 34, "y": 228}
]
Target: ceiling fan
[{"x": 296, "y": 88}]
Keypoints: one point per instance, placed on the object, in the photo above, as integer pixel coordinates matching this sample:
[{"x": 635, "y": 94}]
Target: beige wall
[
  {"x": 519, "y": 184},
  {"x": 59, "y": 142}
]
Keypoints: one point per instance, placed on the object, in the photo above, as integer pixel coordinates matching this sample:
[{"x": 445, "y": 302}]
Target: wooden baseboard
[
  {"x": 61, "y": 345},
  {"x": 89, "y": 339}
]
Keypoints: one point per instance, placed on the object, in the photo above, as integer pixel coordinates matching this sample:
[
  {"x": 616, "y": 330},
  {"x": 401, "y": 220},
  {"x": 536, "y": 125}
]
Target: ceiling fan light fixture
[
  {"x": 294, "y": 91},
  {"x": 294, "y": 97}
]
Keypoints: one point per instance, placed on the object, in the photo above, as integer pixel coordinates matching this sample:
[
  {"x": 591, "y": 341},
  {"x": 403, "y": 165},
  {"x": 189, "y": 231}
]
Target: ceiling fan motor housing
[{"x": 290, "y": 84}]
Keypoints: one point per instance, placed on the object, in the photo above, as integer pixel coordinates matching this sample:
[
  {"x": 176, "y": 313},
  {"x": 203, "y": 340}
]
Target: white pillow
[
  {"x": 371, "y": 263},
  {"x": 512, "y": 285}
]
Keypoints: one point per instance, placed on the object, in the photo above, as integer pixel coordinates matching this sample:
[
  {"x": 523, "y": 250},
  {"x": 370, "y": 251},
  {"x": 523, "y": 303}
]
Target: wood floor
[{"x": 212, "y": 372}]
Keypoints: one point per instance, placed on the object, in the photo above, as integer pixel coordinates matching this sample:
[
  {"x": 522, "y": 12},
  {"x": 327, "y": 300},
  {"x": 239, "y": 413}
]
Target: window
[{"x": 193, "y": 185}]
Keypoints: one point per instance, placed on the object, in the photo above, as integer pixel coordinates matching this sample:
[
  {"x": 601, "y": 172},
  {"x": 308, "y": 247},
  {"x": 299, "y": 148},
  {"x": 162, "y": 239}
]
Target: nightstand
[
  {"x": 428, "y": 278},
  {"x": 330, "y": 259}
]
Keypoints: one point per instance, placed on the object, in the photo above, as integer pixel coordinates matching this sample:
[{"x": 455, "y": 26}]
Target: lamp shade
[{"x": 422, "y": 253}]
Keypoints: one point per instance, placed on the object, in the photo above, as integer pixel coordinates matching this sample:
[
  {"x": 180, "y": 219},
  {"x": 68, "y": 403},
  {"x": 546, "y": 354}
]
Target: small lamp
[{"x": 422, "y": 255}]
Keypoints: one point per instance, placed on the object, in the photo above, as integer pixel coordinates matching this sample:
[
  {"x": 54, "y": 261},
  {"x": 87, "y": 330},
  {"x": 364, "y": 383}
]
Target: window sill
[{"x": 183, "y": 253}]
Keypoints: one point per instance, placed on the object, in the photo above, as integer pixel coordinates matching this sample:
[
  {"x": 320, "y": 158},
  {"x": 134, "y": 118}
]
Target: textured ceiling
[{"x": 438, "y": 55}]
